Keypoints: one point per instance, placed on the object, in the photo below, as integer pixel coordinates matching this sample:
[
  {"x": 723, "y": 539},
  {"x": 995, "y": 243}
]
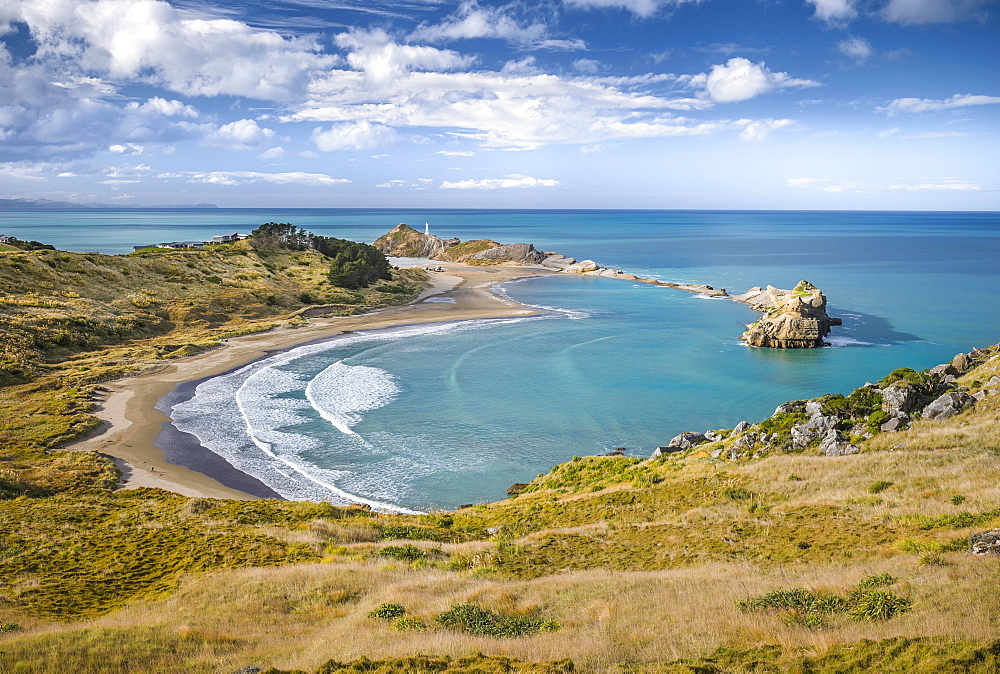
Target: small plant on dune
[
  {"x": 404, "y": 553},
  {"x": 877, "y": 605},
  {"x": 879, "y": 486},
  {"x": 807, "y": 608},
  {"x": 388, "y": 612},
  {"x": 9, "y": 627},
  {"x": 408, "y": 622},
  {"x": 475, "y": 620}
]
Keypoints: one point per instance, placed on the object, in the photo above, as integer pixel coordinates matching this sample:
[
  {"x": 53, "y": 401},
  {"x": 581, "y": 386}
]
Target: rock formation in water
[{"x": 793, "y": 319}]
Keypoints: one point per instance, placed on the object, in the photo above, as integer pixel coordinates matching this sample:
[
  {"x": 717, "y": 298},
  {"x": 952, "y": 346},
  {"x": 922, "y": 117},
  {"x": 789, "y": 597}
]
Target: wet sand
[{"x": 132, "y": 424}]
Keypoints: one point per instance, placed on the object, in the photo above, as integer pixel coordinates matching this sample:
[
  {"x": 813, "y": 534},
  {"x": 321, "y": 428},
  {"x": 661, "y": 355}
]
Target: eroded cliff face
[
  {"x": 404, "y": 241},
  {"x": 793, "y": 319}
]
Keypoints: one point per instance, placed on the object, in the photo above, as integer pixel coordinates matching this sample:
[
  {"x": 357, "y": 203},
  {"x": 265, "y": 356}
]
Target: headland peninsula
[{"x": 833, "y": 536}]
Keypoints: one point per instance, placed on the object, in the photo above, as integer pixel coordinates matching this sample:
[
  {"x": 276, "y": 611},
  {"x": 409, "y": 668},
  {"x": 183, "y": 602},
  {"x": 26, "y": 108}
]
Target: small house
[{"x": 226, "y": 238}]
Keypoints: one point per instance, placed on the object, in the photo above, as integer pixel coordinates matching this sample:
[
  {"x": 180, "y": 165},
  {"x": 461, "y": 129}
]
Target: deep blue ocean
[{"x": 435, "y": 416}]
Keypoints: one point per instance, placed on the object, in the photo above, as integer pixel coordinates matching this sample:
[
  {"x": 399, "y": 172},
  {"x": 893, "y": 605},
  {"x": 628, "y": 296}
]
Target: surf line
[{"x": 267, "y": 449}]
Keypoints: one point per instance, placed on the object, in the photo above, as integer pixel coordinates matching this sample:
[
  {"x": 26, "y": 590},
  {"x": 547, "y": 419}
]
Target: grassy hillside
[
  {"x": 790, "y": 561},
  {"x": 69, "y": 321}
]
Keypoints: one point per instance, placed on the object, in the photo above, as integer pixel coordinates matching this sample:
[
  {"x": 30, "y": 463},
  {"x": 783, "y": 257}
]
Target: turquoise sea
[{"x": 435, "y": 416}]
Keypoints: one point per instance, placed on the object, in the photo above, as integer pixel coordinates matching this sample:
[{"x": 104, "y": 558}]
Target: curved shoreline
[{"x": 132, "y": 424}]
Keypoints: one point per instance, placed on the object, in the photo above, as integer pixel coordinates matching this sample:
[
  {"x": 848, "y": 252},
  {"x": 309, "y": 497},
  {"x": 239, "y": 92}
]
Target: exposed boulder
[
  {"x": 899, "y": 399},
  {"x": 789, "y": 407},
  {"x": 793, "y": 319},
  {"x": 942, "y": 371},
  {"x": 581, "y": 267},
  {"x": 688, "y": 440},
  {"x": 741, "y": 427},
  {"x": 557, "y": 261},
  {"x": 517, "y": 488},
  {"x": 835, "y": 444},
  {"x": 519, "y": 253},
  {"x": 961, "y": 362},
  {"x": 985, "y": 543},
  {"x": 897, "y": 423},
  {"x": 815, "y": 428},
  {"x": 948, "y": 405}
]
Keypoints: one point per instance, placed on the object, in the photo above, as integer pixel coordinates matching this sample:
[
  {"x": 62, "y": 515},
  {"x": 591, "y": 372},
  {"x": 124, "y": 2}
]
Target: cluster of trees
[
  {"x": 28, "y": 245},
  {"x": 352, "y": 264}
]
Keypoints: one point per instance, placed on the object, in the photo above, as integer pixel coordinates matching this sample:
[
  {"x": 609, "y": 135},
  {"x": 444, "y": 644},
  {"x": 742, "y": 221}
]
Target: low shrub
[
  {"x": 879, "y": 486},
  {"x": 472, "y": 619},
  {"x": 388, "y": 612},
  {"x": 405, "y": 553},
  {"x": 408, "y": 622},
  {"x": 807, "y": 608}
]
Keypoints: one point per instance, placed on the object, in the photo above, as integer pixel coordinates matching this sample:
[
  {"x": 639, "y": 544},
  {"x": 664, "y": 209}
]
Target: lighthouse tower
[{"x": 427, "y": 229}]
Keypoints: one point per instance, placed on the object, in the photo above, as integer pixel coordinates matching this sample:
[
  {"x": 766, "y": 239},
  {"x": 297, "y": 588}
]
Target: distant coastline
[{"x": 49, "y": 205}]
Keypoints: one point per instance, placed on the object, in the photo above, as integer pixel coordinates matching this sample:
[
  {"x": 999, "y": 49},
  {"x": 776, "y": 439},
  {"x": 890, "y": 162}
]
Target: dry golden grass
[{"x": 299, "y": 617}]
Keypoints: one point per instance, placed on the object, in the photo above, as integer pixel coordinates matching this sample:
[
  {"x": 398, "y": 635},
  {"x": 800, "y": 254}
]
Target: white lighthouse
[{"x": 427, "y": 229}]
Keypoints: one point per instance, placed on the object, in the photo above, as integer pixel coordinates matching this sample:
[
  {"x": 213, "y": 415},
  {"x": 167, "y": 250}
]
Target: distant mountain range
[{"x": 49, "y": 205}]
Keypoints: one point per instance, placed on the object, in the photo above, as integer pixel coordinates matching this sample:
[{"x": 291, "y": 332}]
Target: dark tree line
[{"x": 352, "y": 264}]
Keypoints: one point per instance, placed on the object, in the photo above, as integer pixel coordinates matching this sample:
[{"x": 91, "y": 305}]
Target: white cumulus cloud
[
  {"x": 933, "y": 105},
  {"x": 739, "y": 79},
  {"x": 834, "y": 12},
  {"x": 762, "y": 128},
  {"x": 240, "y": 135},
  {"x": 471, "y": 21},
  {"x": 514, "y": 180},
  {"x": 856, "y": 48},
  {"x": 363, "y": 135},
  {"x": 641, "y": 8}
]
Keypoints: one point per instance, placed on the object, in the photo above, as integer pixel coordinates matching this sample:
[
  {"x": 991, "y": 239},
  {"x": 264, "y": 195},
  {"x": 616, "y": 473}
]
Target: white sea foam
[
  {"x": 341, "y": 392},
  {"x": 249, "y": 417},
  {"x": 557, "y": 312},
  {"x": 843, "y": 340}
]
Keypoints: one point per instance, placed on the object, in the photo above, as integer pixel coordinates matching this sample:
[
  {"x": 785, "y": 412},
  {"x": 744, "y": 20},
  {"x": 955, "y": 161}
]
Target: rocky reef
[
  {"x": 833, "y": 425},
  {"x": 793, "y": 319}
]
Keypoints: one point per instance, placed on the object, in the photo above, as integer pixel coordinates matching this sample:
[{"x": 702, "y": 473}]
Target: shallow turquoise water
[{"x": 436, "y": 416}]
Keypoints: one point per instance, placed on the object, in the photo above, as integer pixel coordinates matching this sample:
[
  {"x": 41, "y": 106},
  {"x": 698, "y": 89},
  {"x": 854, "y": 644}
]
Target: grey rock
[
  {"x": 898, "y": 399},
  {"x": 814, "y": 408},
  {"x": 249, "y": 669},
  {"x": 712, "y": 436},
  {"x": 948, "y": 405},
  {"x": 792, "y": 406},
  {"x": 580, "y": 267},
  {"x": 813, "y": 429},
  {"x": 744, "y": 443},
  {"x": 687, "y": 440},
  {"x": 979, "y": 395},
  {"x": 741, "y": 427},
  {"x": 522, "y": 253},
  {"x": 897, "y": 423},
  {"x": 835, "y": 444},
  {"x": 718, "y": 452},
  {"x": 663, "y": 451},
  {"x": 961, "y": 362},
  {"x": 985, "y": 543},
  {"x": 941, "y": 371},
  {"x": 558, "y": 261},
  {"x": 994, "y": 381}
]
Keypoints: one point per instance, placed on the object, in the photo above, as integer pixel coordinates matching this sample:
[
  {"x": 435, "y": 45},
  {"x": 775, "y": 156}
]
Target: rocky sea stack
[
  {"x": 404, "y": 241},
  {"x": 793, "y": 319}
]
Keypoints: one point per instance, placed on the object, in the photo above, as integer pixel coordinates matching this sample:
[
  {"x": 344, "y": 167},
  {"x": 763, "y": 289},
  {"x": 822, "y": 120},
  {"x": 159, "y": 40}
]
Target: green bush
[
  {"x": 388, "y": 612},
  {"x": 472, "y": 619},
  {"x": 9, "y": 627},
  {"x": 408, "y": 622},
  {"x": 405, "y": 553},
  {"x": 408, "y": 531},
  {"x": 874, "y": 605},
  {"x": 879, "y": 580},
  {"x": 879, "y": 486}
]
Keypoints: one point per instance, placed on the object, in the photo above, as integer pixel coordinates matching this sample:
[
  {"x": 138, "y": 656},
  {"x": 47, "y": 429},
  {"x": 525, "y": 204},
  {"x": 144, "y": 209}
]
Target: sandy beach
[{"x": 131, "y": 423}]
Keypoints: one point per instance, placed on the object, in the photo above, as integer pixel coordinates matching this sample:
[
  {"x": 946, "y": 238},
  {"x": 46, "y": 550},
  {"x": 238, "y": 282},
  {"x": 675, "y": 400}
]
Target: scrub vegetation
[{"x": 791, "y": 561}]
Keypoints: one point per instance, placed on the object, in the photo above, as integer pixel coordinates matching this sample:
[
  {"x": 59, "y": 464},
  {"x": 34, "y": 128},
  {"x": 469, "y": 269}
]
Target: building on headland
[
  {"x": 218, "y": 239},
  {"x": 182, "y": 244}
]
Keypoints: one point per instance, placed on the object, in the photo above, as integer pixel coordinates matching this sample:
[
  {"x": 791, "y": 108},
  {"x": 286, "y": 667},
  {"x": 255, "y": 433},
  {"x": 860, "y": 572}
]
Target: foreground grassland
[{"x": 604, "y": 564}]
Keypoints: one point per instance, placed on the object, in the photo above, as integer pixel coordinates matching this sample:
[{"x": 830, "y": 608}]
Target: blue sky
[{"x": 769, "y": 104}]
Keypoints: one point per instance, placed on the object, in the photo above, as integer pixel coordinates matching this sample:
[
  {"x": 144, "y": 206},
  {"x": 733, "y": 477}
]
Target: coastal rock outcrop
[
  {"x": 793, "y": 319},
  {"x": 404, "y": 241},
  {"x": 518, "y": 253},
  {"x": 947, "y": 405}
]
